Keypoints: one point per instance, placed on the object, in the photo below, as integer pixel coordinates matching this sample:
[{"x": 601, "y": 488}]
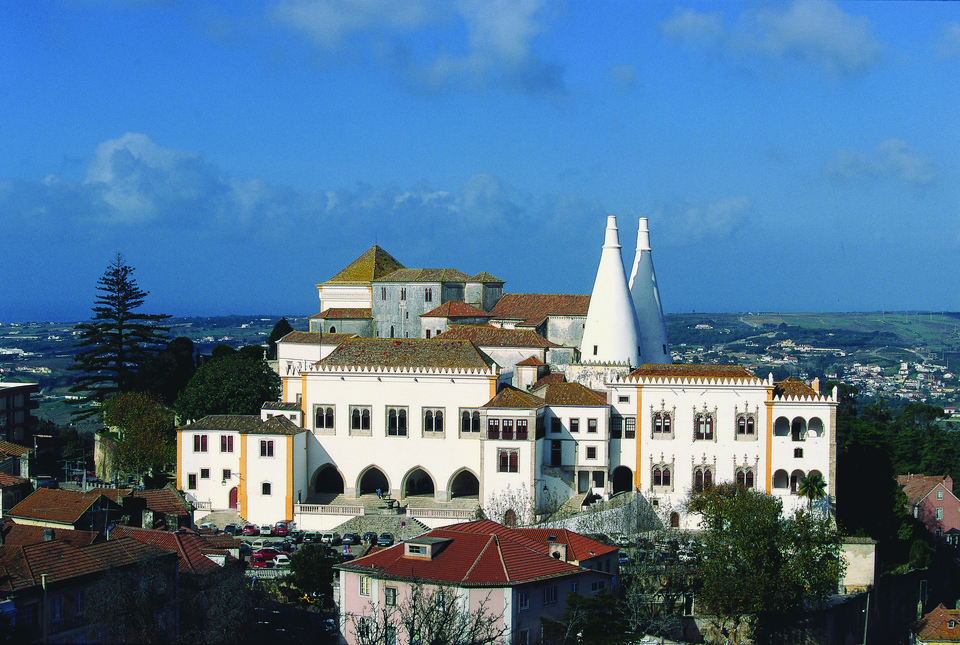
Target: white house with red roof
[{"x": 516, "y": 575}]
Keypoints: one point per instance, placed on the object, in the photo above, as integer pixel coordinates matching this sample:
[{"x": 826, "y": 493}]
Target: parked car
[
  {"x": 297, "y": 536},
  {"x": 251, "y": 529},
  {"x": 350, "y": 538},
  {"x": 260, "y": 544},
  {"x": 624, "y": 560},
  {"x": 246, "y": 549},
  {"x": 270, "y": 553},
  {"x": 331, "y": 538},
  {"x": 622, "y": 540},
  {"x": 231, "y": 529},
  {"x": 385, "y": 539},
  {"x": 311, "y": 537},
  {"x": 370, "y": 537},
  {"x": 266, "y": 529},
  {"x": 281, "y": 529},
  {"x": 281, "y": 560},
  {"x": 260, "y": 562}
]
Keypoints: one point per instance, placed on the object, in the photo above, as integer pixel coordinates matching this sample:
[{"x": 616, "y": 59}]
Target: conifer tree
[{"x": 117, "y": 341}]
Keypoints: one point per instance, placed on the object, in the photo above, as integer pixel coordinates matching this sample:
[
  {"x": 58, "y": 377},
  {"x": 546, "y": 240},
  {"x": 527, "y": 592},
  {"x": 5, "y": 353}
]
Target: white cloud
[
  {"x": 812, "y": 32},
  {"x": 492, "y": 48},
  {"x": 891, "y": 159},
  {"x": 688, "y": 222},
  {"x": 949, "y": 44}
]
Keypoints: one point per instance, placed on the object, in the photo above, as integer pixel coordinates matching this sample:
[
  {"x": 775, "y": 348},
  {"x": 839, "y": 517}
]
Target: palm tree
[{"x": 812, "y": 487}]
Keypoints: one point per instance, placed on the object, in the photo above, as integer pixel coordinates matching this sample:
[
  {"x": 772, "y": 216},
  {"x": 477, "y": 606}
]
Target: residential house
[
  {"x": 56, "y": 508},
  {"x": 12, "y": 490},
  {"x": 517, "y": 576},
  {"x": 939, "y": 627},
  {"x": 17, "y": 422},
  {"x": 930, "y": 499}
]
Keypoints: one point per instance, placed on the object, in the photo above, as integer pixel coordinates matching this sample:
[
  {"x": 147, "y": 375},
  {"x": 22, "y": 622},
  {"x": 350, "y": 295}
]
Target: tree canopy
[
  {"x": 146, "y": 441},
  {"x": 231, "y": 384},
  {"x": 758, "y": 566},
  {"x": 168, "y": 372},
  {"x": 281, "y": 329},
  {"x": 118, "y": 341}
]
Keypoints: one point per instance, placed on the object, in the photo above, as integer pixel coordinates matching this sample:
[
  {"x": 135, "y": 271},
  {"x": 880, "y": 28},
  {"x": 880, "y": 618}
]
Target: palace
[{"x": 435, "y": 389}]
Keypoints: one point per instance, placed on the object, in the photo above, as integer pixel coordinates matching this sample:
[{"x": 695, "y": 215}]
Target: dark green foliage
[
  {"x": 168, "y": 372},
  {"x": 232, "y": 384},
  {"x": 222, "y": 350},
  {"x": 281, "y": 329},
  {"x": 593, "y": 620},
  {"x": 136, "y": 604},
  {"x": 118, "y": 341},
  {"x": 147, "y": 438},
  {"x": 760, "y": 568},
  {"x": 311, "y": 571},
  {"x": 254, "y": 352},
  {"x": 215, "y": 607}
]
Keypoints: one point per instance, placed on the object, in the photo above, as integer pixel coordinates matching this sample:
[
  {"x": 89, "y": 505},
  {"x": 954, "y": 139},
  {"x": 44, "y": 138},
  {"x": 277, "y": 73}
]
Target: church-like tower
[
  {"x": 610, "y": 333},
  {"x": 651, "y": 329}
]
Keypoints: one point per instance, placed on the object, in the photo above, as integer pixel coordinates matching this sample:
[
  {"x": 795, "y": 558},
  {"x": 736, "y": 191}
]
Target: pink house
[
  {"x": 515, "y": 575},
  {"x": 930, "y": 499}
]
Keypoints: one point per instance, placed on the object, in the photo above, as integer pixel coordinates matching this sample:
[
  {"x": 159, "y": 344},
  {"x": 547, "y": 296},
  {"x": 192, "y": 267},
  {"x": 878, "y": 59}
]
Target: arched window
[
  {"x": 476, "y": 422},
  {"x": 675, "y": 520},
  {"x": 741, "y": 426},
  {"x": 741, "y": 479},
  {"x": 365, "y": 419},
  {"x": 333, "y": 330},
  {"x": 698, "y": 480},
  {"x": 749, "y": 479},
  {"x": 707, "y": 479},
  {"x": 751, "y": 425},
  {"x": 657, "y": 477},
  {"x": 658, "y": 423},
  {"x": 329, "y": 417},
  {"x": 438, "y": 421},
  {"x": 510, "y": 518},
  {"x": 392, "y": 422},
  {"x": 666, "y": 476},
  {"x": 667, "y": 424},
  {"x": 355, "y": 419},
  {"x": 428, "y": 420},
  {"x": 465, "y": 421}
]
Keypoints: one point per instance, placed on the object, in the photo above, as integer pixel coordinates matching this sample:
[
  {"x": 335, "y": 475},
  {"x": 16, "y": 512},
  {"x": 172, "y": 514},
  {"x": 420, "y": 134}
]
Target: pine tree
[{"x": 117, "y": 341}]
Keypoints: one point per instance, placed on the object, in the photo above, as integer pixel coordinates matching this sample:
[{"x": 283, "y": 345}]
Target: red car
[
  {"x": 281, "y": 529},
  {"x": 260, "y": 562},
  {"x": 251, "y": 529},
  {"x": 269, "y": 553}
]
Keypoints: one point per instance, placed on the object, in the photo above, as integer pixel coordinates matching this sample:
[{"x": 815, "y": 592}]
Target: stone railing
[
  {"x": 324, "y": 509},
  {"x": 203, "y": 506},
  {"x": 441, "y": 513}
]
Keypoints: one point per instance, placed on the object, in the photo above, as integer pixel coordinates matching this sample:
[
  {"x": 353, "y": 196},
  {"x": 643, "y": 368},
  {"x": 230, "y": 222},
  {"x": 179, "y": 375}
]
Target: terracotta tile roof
[
  {"x": 488, "y": 336},
  {"x": 54, "y": 505},
  {"x": 477, "y": 554},
  {"x": 344, "y": 313},
  {"x": 191, "y": 548},
  {"x": 374, "y": 263},
  {"x": 7, "y": 479},
  {"x": 579, "y": 547},
  {"x": 483, "y": 276},
  {"x": 314, "y": 337},
  {"x": 167, "y": 500},
  {"x": 916, "y": 487},
  {"x": 21, "y": 566},
  {"x": 573, "y": 394},
  {"x": 792, "y": 387},
  {"x": 8, "y": 449},
  {"x": 291, "y": 406},
  {"x": 688, "y": 371},
  {"x": 511, "y": 397},
  {"x": 244, "y": 424},
  {"x": 935, "y": 626},
  {"x": 23, "y": 534},
  {"x": 532, "y": 360},
  {"x": 554, "y": 377},
  {"x": 456, "y": 309},
  {"x": 408, "y": 353},
  {"x": 425, "y": 275},
  {"x": 533, "y": 308}
]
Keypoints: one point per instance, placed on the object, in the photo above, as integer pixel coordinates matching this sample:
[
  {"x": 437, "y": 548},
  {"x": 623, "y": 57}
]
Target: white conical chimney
[
  {"x": 610, "y": 333},
  {"x": 651, "y": 330}
]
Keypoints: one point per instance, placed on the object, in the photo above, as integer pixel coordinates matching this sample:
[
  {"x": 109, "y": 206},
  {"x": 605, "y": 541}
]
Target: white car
[
  {"x": 281, "y": 561},
  {"x": 266, "y": 529}
]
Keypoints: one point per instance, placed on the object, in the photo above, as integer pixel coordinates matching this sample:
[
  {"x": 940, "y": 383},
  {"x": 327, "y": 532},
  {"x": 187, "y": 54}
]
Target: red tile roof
[
  {"x": 688, "y": 371},
  {"x": 341, "y": 313},
  {"x": 511, "y": 397},
  {"x": 935, "y": 626},
  {"x": 191, "y": 548},
  {"x": 554, "y": 377},
  {"x": 11, "y": 480},
  {"x": 579, "y": 548},
  {"x": 374, "y": 263},
  {"x": 244, "y": 424},
  {"x": 54, "y": 505},
  {"x": 532, "y": 360},
  {"x": 573, "y": 394},
  {"x": 314, "y": 337},
  {"x": 165, "y": 500},
  {"x": 408, "y": 353},
  {"x": 489, "y": 336},
  {"x": 916, "y": 487},
  {"x": 23, "y": 534},
  {"x": 478, "y": 554},
  {"x": 22, "y": 566},
  {"x": 456, "y": 309},
  {"x": 8, "y": 449},
  {"x": 792, "y": 387},
  {"x": 533, "y": 308}
]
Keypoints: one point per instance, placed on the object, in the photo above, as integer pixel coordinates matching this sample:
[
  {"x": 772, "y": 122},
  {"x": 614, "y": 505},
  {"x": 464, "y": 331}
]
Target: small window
[
  {"x": 266, "y": 448},
  {"x": 594, "y": 350},
  {"x": 599, "y": 585},
  {"x": 359, "y": 419},
  {"x": 433, "y": 420},
  {"x": 204, "y": 473},
  {"x": 703, "y": 426},
  {"x": 265, "y": 488},
  {"x": 226, "y": 443},
  {"x": 383, "y": 293},
  {"x": 939, "y": 494},
  {"x": 523, "y": 600},
  {"x": 199, "y": 443},
  {"x": 798, "y": 453},
  {"x": 56, "y": 609},
  {"x": 78, "y": 602},
  {"x": 192, "y": 481},
  {"x": 428, "y": 333},
  {"x": 555, "y": 425},
  {"x": 508, "y": 461},
  {"x": 364, "y": 585},
  {"x": 227, "y": 473},
  {"x": 939, "y": 513},
  {"x": 397, "y": 422},
  {"x": 403, "y": 293},
  {"x": 574, "y": 587},
  {"x": 428, "y": 295},
  {"x": 630, "y": 428},
  {"x": 550, "y": 595},
  {"x": 591, "y": 452},
  {"x": 522, "y": 429},
  {"x": 592, "y": 425},
  {"x": 390, "y": 596},
  {"x": 574, "y": 425},
  {"x": 623, "y": 399}
]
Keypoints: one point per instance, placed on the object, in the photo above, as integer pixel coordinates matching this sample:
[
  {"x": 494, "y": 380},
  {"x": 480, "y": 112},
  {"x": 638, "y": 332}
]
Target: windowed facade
[
  {"x": 746, "y": 426},
  {"x": 390, "y": 596},
  {"x": 469, "y": 421},
  {"x": 199, "y": 443},
  {"x": 192, "y": 481},
  {"x": 702, "y": 478},
  {"x": 591, "y": 452},
  {"x": 266, "y": 488},
  {"x": 745, "y": 477},
  {"x": 574, "y": 425},
  {"x": 323, "y": 417},
  {"x": 226, "y": 443},
  {"x": 508, "y": 460},
  {"x": 266, "y": 448},
  {"x": 550, "y": 595},
  {"x": 629, "y": 427},
  {"x": 523, "y": 600},
  {"x": 397, "y": 421},
  {"x": 703, "y": 426},
  {"x": 662, "y": 478},
  {"x": 360, "y": 420},
  {"x": 428, "y": 295},
  {"x": 592, "y": 426},
  {"x": 433, "y": 421},
  {"x": 364, "y": 585},
  {"x": 662, "y": 424}
]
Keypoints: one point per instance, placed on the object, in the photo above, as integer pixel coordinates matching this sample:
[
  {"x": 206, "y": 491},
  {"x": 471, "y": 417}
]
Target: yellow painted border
[
  {"x": 769, "y": 465},
  {"x": 242, "y": 486},
  {"x": 179, "y": 472},
  {"x": 637, "y": 474},
  {"x": 288, "y": 505}
]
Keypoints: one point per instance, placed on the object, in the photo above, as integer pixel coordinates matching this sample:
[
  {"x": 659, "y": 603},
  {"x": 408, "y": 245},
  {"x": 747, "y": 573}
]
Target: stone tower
[
  {"x": 610, "y": 333},
  {"x": 651, "y": 330}
]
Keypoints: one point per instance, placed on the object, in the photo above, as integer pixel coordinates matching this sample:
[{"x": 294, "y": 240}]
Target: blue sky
[{"x": 790, "y": 156}]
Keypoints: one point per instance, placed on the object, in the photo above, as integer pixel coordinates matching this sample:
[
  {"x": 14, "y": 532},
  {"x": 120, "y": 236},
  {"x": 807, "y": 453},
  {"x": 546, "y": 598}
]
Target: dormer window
[{"x": 951, "y": 624}]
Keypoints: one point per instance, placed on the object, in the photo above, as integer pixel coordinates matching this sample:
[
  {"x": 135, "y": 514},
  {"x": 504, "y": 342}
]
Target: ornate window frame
[
  {"x": 434, "y": 420},
  {"x": 705, "y": 424},
  {"x": 745, "y": 423},
  {"x": 360, "y": 421},
  {"x": 397, "y": 419},
  {"x": 473, "y": 421},
  {"x": 662, "y": 422},
  {"x": 667, "y": 475},
  {"x": 324, "y": 418}
]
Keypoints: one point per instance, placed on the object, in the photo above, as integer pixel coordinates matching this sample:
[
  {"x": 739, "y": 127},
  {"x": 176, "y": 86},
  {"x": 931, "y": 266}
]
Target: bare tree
[{"x": 430, "y": 615}]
